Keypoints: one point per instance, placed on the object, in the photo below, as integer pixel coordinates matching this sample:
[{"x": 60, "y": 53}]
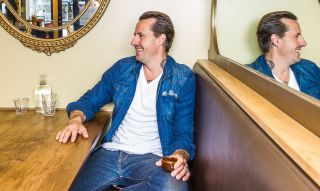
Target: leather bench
[{"x": 232, "y": 152}]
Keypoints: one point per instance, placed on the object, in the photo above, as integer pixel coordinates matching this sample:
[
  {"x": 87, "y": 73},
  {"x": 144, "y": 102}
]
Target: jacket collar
[
  {"x": 169, "y": 67},
  {"x": 264, "y": 65},
  {"x": 267, "y": 71},
  {"x": 167, "y": 71}
]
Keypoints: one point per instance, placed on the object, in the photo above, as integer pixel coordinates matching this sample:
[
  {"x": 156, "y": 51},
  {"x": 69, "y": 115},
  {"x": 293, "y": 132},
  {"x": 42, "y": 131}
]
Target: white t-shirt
[
  {"x": 138, "y": 132},
  {"x": 292, "y": 81}
]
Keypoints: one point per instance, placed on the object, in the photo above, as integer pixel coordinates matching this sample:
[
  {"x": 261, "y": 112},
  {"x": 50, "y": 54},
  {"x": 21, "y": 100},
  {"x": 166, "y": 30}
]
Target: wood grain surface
[
  {"x": 31, "y": 158},
  {"x": 300, "y": 144}
]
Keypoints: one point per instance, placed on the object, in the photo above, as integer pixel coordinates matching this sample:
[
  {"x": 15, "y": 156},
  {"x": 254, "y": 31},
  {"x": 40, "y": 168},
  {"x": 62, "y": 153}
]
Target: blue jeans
[{"x": 134, "y": 172}]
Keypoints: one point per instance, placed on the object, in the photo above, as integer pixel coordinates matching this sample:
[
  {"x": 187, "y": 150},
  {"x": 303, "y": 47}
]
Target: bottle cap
[{"x": 43, "y": 79}]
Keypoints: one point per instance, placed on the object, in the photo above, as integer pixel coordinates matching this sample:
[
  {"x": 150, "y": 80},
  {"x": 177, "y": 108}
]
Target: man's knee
[{"x": 172, "y": 184}]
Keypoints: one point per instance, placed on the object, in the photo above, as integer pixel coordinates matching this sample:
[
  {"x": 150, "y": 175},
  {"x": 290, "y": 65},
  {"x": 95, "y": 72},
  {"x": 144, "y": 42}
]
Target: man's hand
[
  {"x": 74, "y": 128},
  {"x": 181, "y": 169}
]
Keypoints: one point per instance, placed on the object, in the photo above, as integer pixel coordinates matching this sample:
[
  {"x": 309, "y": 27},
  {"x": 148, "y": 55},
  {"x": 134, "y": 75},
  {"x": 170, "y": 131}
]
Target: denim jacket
[
  {"x": 175, "y": 101},
  {"x": 306, "y": 72}
]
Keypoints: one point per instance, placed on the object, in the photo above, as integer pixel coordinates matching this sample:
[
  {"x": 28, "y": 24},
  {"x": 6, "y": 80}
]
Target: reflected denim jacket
[
  {"x": 175, "y": 101},
  {"x": 306, "y": 72}
]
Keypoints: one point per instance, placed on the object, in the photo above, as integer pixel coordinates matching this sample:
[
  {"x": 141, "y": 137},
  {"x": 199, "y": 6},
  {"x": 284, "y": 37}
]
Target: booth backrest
[{"x": 232, "y": 152}]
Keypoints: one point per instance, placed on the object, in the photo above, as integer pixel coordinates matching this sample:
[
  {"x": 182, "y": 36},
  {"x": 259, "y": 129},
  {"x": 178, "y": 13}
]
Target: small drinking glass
[
  {"x": 168, "y": 163},
  {"x": 49, "y": 104},
  {"x": 21, "y": 104}
]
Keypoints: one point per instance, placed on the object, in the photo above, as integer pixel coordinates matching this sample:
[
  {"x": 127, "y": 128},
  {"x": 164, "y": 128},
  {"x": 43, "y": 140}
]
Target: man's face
[
  {"x": 292, "y": 42},
  {"x": 147, "y": 46}
]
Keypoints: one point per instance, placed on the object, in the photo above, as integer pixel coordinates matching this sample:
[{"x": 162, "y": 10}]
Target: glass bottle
[{"x": 41, "y": 89}]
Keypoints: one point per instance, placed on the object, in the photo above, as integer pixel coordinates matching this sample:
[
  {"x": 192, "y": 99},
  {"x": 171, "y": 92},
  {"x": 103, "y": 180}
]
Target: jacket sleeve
[
  {"x": 184, "y": 118},
  {"x": 94, "y": 99}
]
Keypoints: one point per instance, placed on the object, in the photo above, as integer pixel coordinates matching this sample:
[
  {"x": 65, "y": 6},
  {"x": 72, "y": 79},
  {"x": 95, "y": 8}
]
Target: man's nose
[
  {"x": 134, "y": 41},
  {"x": 303, "y": 42}
]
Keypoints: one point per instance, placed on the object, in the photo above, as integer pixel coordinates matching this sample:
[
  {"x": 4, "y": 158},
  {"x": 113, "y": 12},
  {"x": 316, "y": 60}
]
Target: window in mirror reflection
[{"x": 49, "y": 14}]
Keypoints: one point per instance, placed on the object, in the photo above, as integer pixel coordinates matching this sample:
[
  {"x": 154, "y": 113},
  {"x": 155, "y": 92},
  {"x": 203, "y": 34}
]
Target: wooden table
[{"x": 31, "y": 158}]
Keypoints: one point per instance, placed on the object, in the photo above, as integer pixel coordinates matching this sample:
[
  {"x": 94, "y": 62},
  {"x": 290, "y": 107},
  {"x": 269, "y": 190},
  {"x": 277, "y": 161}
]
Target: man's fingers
[
  {"x": 58, "y": 135},
  {"x": 176, "y": 171},
  {"x": 159, "y": 163},
  {"x": 66, "y": 136},
  {"x": 74, "y": 134},
  {"x": 181, "y": 161},
  {"x": 184, "y": 173},
  {"x": 61, "y": 136},
  {"x": 187, "y": 176},
  {"x": 181, "y": 170},
  {"x": 71, "y": 131},
  {"x": 83, "y": 131}
]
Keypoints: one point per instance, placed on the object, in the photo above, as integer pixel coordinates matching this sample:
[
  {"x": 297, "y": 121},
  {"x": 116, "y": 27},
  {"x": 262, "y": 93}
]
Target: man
[
  {"x": 153, "y": 116},
  {"x": 279, "y": 37}
]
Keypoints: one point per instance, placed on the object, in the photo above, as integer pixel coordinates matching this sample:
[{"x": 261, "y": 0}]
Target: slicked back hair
[
  {"x": 163, "y": 25},
  {"x": 271, "y": 24}
]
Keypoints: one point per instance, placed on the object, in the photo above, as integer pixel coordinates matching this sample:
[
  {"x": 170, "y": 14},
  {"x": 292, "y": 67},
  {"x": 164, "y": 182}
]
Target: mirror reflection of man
[{"x": 280, "y": 39}]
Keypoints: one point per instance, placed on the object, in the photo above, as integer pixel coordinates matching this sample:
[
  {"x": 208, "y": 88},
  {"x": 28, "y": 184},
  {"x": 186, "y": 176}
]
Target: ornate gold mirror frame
[{"x": 50, "y": 46}]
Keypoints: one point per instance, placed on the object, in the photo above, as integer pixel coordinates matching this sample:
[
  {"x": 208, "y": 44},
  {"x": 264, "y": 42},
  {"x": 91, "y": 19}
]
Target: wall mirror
[
  {"x": 233, "y": 44},
  {"x": 50, "y": 26}
]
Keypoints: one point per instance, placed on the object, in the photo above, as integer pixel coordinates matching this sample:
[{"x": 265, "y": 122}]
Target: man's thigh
[
  {"x": 141, "y": 173},
  {"x": 99, "y": 172}
]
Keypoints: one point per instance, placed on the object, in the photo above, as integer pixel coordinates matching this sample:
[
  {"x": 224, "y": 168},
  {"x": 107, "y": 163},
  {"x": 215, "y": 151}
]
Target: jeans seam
[
  {"x": 119, "y": 164},
  {"x": 136, "y": 179},
  {"x": 140, "y": 180},
  {"x": 103, "y": 183}
]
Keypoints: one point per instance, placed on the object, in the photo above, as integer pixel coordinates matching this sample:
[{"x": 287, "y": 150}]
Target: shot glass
[
  {"x": 49, "y": 104},
  {"x": 168, "y": 163},
  {"x": 21, "y": 104}
]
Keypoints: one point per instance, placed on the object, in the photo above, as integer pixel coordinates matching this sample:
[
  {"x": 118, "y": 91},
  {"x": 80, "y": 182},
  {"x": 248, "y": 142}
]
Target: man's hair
[
  {"x": 163, "y": 25},
  {"x": 271, "y": 24}
]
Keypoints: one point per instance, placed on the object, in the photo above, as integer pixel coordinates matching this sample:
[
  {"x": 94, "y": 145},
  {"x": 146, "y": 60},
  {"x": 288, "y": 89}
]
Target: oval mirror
[{"x": 50, "y": 26}]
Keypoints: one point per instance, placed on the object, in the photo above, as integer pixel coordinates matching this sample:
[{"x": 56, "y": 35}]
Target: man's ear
[
  {"x": 162, "y": 39},
  {"x": 274, "y": 40}
]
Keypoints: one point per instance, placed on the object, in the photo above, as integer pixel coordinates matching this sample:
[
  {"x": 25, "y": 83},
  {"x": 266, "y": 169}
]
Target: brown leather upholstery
[{"x": 232, "y": 152}]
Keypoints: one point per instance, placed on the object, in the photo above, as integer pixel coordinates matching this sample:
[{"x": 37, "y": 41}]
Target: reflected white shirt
[{"x": 292, "y": 81}]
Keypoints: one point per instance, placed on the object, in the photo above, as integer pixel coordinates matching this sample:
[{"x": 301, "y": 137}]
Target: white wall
[
  {"x": 236, "y": 23},
  {"x": 72, "y": 72}
]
